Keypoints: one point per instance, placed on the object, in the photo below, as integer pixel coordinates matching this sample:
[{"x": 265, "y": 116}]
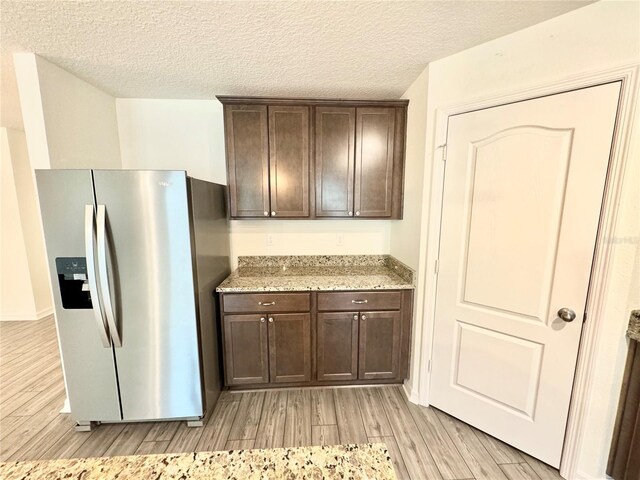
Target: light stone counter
[
  {"x": 322, "y": 272},
  {"x": 633, "y": 332},
  {"x": 357, "y": 462}
]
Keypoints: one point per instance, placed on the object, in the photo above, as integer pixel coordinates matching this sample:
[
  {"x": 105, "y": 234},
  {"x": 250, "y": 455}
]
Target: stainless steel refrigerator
[{"x": 134, "y": 258}]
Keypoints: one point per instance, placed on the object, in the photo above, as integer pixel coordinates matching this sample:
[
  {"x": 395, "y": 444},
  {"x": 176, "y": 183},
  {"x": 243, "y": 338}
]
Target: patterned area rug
[{"x": 357, "y": 462}]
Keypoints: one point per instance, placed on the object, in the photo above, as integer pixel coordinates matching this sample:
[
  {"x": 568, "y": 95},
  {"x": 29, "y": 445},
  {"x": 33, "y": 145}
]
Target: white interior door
[{"x": 522, "y": 197}]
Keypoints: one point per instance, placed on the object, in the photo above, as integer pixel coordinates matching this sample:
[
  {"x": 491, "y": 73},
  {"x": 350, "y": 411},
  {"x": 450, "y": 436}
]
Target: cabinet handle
[
  {"x": 364, "y": 317},
  {"x": 358, "y": 302},
  {"x": 266, "y": 214},
  {"x": 266, "y": 304},
  {"x": 350, "y": 213},
  {"x": 355, "y": 317},
  {"x": 270, "y": 319},
  {"x": 273, "y": 214},
  {"x": 262, "y": 319},
  {"x": 357, "y": 213}
]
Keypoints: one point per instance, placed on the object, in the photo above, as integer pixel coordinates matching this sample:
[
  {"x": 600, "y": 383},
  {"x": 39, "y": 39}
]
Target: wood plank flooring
[{"x": 424, "y": 443}]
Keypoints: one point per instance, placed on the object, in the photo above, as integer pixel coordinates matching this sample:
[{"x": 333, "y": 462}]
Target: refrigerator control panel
[{"x": 74, "y": 285}]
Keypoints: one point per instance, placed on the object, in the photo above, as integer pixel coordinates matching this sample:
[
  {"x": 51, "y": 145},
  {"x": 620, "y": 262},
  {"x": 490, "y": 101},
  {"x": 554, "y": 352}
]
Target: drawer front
[
  {"x": 359, "y": 301},
  {"x": 266, "y": 302}
]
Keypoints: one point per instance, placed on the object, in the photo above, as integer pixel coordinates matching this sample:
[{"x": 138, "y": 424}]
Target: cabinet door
[
  {"x": 334, "y": 161},
  {"x": 245, "y": 349},
  {"x": 247, "y": 160},
  {"x": 379, "y": 350},
  {"x": 290, "y": 347},
  {"x": 337, "y": 346},
  {"x": 375, "y": 137},
  {"x": 289, "y": 161}
]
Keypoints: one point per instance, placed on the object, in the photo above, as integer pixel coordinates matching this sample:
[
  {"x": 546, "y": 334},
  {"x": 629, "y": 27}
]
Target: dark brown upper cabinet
[
  {"x": 246, "y": 138},
  {"x": 289, "y": 161},
  {"x": 375, "y": 135},
  {"x": 334, "y": 159},
  {"x": 306, "y": 158}
]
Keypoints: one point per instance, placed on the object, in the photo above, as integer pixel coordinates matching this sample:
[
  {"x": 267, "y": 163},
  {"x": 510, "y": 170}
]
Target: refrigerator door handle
[
  {"x": 103, "y": 276},
  {"x": 89, "y": 240}
]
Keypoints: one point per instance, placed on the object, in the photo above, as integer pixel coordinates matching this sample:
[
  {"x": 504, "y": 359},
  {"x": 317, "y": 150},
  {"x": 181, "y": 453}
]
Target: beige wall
[
  {"x": 405, "y": 235},
  {"x": 596, "y": 37},
  {"x": 68, "y": 124},
  {"x": 189, "y": 135},
  {"x": 24, "y": 288},
  {"x": 80, "y": 120},
  {"x": 173, "y": 134}
]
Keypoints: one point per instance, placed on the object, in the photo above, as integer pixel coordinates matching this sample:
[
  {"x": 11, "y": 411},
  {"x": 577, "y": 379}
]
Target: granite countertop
[
  {"x": 357, "y": 462},
  {"x": 633, "y": 332},
  {"x": 321, "y": 272}
]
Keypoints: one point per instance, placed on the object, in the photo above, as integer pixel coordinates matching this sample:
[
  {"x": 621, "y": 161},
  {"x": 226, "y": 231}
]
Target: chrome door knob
[
  {"x": 273, "y": 214},
  {"x": 262, "y": 319},
  {"x": 567, "y": 314},
  {"x": 358, "y": 213},
  {"x": 355, "y": 317},
  {"x": 266, "y": 214},
  {"x": 270, "y": 319},
  {"x": 350, "y": 213}
]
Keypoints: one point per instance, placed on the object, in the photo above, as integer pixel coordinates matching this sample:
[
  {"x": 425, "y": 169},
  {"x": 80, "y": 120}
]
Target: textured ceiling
[{"x": 197, "y": 49}]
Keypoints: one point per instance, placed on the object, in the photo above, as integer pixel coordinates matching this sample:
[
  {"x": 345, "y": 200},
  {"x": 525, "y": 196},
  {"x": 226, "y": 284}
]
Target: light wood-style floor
[{"x": 424, "y": 443}]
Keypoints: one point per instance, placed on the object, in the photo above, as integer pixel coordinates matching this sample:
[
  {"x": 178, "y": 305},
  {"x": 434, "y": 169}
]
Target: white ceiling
[{"x": 197, "y": 49}]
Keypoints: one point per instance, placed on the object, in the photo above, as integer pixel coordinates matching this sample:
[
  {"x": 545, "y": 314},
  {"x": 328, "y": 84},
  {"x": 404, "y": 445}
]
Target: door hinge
[
  {"x": 429, "y": 366},
  {"x": 436, "y": 267},
  {"x": 444, "y": 151},
  {"x": 584, "y": 317}
]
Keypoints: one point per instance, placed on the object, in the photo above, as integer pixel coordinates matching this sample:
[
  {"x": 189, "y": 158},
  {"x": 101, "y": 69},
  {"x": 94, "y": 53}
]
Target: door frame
[{"x": 583, "y": 384}]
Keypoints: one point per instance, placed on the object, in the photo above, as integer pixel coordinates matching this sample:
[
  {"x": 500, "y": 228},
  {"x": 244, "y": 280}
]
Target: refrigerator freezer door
[
  {"x": 152, "y": 289},
  {"x": 89, "y": 367}
]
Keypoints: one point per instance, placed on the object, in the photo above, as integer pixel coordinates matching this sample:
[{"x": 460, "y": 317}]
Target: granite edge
[
  {"x": 311, "y": 260},
  {"x": 633, "y": 331},
  {"x": 404, "y": 273},
  {"x": 189, "y": 464}
]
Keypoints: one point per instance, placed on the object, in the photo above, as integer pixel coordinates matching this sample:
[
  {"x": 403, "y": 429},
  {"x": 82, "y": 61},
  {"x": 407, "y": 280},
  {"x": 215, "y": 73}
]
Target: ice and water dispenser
[{"x": 74, "y": 283}]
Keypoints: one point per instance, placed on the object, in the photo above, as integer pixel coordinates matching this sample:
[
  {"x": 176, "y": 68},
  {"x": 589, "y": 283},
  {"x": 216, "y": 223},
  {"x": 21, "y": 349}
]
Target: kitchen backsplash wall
[
  {"x": 189, "y": 135},
  {"x": 309, "y": 237}
]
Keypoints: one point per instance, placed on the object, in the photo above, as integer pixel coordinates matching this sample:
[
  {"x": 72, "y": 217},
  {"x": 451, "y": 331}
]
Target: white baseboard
[
  {"x": 413, "y": 398},
  {"x": 66, "y": 408},
  {"x": 29, "y": 317},
  {"x": 45, "y": 312},
  {"x": 584, "y": 476}
]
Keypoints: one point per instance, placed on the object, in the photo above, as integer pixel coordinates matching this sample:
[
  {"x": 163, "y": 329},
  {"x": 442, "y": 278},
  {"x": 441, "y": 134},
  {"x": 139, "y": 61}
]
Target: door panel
[
  {"x": 152, "y": 284},
  {"x": 245, "y": 349},
  {"x": 337, "y": 347},
  {"x": 500, "y": 238},
  {"x": 247, "y": 160},
  {"x": 375, "y": 137},
  {"x": 289, "y": 161},
  {"x": 334, "y": 160},
  {"x": 89, "y": 368},
  {"x": 379, "y": 350},
  {"x": 290, "y": 347},
  {"x": 522, "y": 198}
]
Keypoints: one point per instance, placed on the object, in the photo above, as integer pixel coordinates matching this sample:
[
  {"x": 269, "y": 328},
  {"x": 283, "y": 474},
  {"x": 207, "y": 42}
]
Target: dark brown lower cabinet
[
  {"x": 316, "y": 338},
  {"x": 245, "y": 349},
  {"x": 269, "y": 348},
  {"x": 289, "y": 347},
  {"x": 337, "y": 346},
  {"x": 363, "y": 346},
  {"x": 379, "y": 349}
]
